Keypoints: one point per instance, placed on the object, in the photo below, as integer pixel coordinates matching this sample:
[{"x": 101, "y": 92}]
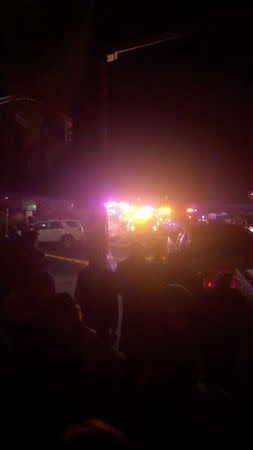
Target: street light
[{"x": 111, "y": 57}]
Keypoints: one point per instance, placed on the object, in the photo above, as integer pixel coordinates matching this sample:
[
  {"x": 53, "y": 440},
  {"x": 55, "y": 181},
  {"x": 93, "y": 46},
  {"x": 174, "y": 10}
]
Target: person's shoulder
[
  {"x": 83, "y": 274},
  {"x": 122, "y": 265},
  {"x": 109, "y": 274}
]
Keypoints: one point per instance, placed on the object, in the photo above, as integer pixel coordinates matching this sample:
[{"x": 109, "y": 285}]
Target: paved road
[
  {"x": 65, "y": 274},
  {"x": 70, "y": 261},
  {"x": 65, "y": 264}
]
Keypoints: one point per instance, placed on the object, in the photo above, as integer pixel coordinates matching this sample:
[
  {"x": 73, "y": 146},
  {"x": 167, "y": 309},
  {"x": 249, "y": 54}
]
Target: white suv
[{"x": 67, "y": 232}]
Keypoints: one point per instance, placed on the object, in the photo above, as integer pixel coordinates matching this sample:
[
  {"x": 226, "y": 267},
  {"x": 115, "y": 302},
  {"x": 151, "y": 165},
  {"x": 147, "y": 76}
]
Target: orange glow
[
  {"x": 128, "y": 211},
  {"x": 144, "y": 212},
  {"x": 164, "y": 211}
]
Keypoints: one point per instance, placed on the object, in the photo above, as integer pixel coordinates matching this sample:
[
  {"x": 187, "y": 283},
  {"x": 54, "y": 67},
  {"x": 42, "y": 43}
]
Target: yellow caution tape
[{"x": 85, "y": 262}]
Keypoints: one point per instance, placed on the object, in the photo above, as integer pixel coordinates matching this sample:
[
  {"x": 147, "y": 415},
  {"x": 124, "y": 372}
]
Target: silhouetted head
[
  {"x": 19, "y": 264},
  {"x": 136, "y": 250},
  {"x": 97, "y": 259},
  {"x": 159, "y": 248},
  {"x": 93, "y": 435},
  {"x": 223, "y": 280},
  {"x": 171, "y": 310},
  {"x": 169, "y": 337}
]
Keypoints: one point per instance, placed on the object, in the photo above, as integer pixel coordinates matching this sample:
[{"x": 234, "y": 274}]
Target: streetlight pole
[
  {"x": 114, "y": 56},
  {"x": 111, "y": 57}
]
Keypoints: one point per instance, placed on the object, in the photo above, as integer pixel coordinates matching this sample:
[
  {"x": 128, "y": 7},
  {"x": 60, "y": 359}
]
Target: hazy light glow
[
  {"x": 190, "y": 210},
  {"x": 144, "y": 212},
  {"x": 111, "y": 211},
  {"x": 164, "y": 211},
  {"x": 111, "y": 205},
  {"x": 124, "y": 205},
  {"x": 129, "y": 212}
]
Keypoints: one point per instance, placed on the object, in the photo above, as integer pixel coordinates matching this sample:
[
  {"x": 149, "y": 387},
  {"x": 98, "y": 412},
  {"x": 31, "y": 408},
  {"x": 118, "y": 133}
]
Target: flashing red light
[
  {"x": 6, "y": 198},
  {"x": 69, "y": 123},
  {"x": 208, "y": 284}
]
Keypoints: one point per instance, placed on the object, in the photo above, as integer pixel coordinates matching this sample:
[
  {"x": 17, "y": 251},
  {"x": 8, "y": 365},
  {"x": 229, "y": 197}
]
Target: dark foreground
[{"x": 175, "y": 370}]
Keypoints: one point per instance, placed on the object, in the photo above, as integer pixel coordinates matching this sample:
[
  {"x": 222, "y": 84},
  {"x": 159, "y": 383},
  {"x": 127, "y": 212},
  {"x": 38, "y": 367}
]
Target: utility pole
[{"x": 90, "y": 126}]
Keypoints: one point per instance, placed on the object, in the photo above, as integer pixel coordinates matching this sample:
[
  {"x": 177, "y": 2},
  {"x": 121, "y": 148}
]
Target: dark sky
[
  {"x": 185, "y": 108},
  {"x": 180, "y": 113}
]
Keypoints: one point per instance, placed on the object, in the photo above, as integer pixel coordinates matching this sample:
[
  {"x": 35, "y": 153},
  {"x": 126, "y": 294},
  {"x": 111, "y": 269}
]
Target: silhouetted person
[
  {"x": 164, "y": 370},
  {"x": 20, "y": 262},
  {"x": 134, "y": 281},
  {"x": 30, "y": 302},
  {"x": 93, "y": 435},
  {"x": 131, "y": 271},
  {"x": 159, "y": 263},
  {"x": 57, "y": 371},
  {"x": 170, "y": 349},
  {"x": 96, "y": 294},
  {"x": 224, "y": 337}
]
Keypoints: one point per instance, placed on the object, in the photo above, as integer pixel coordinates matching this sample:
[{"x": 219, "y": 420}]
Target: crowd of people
[{"x": 136, "y": 359}]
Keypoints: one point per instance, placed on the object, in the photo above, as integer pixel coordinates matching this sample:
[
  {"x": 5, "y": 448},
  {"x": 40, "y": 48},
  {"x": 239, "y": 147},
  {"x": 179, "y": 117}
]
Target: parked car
[
  {"x": 212, "y": 249},
  {"x": 67, "y": 232},
  {"x": 244, "y": 282}
]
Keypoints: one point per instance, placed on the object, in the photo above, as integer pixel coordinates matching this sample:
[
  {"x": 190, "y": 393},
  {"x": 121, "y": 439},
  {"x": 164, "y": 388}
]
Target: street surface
[
  {"x": 64, "y": 272},
  {"x": 65, "y": 264}
]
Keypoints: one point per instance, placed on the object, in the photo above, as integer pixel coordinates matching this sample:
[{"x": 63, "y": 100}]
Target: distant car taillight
[
  {"x": 208, "y": 284},
  {"x": 208, "y": 279},
  {"x": 235, "y": 283}
]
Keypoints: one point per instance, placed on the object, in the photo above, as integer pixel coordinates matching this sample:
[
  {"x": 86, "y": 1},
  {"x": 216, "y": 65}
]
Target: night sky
[
  {"x": 179, "y": 114},
  {"x": 185, "y": 107}
]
